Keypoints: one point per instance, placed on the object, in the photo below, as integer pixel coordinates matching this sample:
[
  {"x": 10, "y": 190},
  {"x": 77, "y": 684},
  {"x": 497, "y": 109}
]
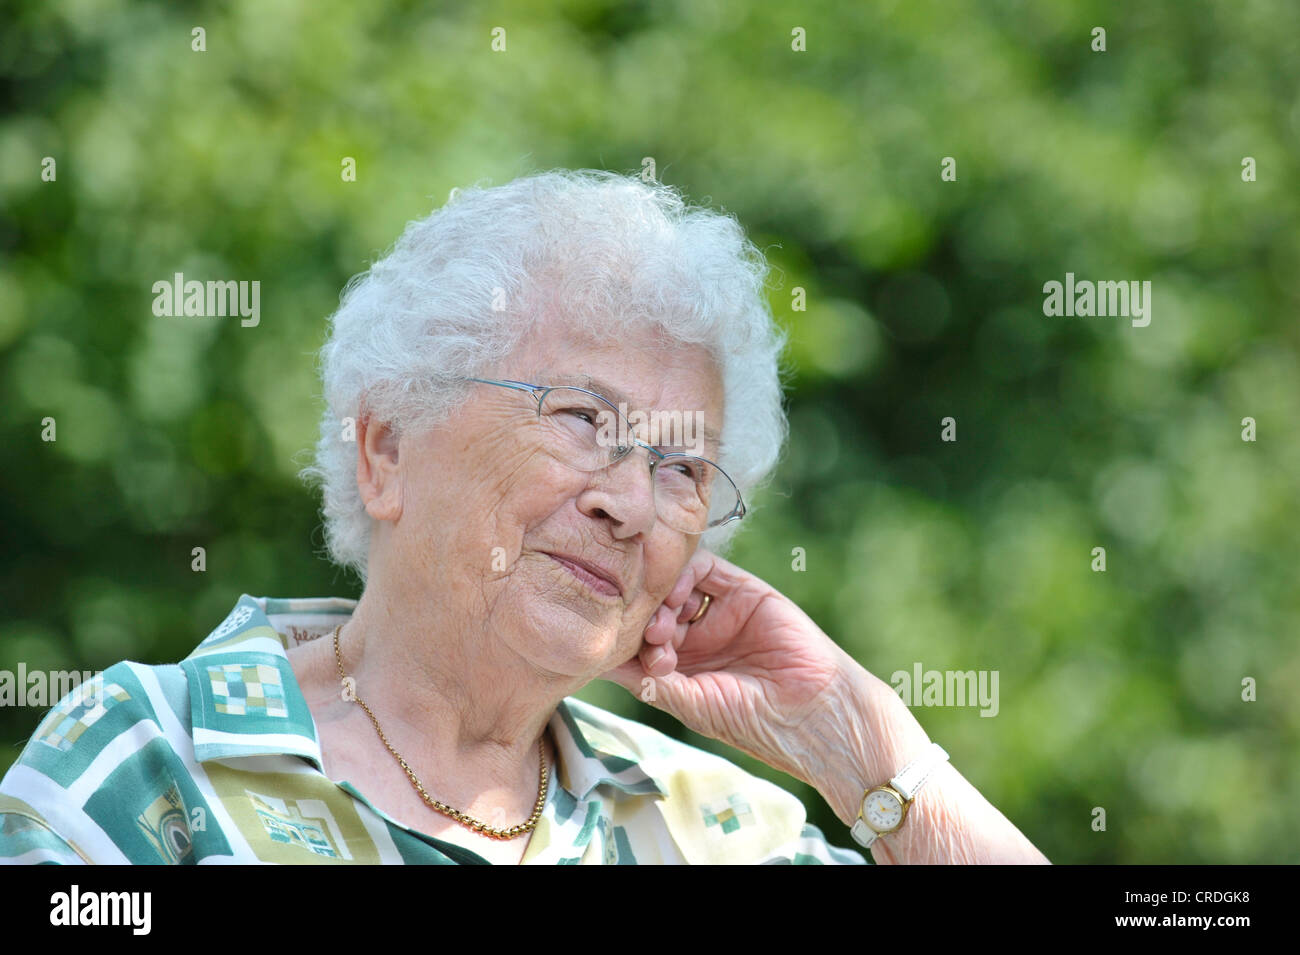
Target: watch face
[{"x": 882, "y": 811}]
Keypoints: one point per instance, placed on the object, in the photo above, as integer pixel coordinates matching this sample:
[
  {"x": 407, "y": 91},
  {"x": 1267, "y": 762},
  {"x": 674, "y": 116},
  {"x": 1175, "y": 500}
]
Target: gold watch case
[{"x": 904, "y": 804}]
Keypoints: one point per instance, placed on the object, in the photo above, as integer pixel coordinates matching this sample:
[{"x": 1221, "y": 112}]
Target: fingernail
[{"x": 657, "y": 654}]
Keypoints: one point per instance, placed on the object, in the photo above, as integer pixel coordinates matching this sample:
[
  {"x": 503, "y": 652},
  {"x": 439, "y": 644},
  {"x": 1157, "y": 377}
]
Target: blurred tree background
[{"x": 1120, "y": 689}]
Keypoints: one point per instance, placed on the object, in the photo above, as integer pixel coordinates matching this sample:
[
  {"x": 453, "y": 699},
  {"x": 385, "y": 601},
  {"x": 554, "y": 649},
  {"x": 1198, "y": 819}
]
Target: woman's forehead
[
  {"x": 609, "y": 389},
  {"x": 641, "y": 367},
  {"x": 641, "y": 370}
]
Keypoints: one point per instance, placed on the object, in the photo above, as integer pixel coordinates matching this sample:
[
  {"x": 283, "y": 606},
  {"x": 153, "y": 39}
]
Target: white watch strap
[
  {"x": 863, "y": 834},
  {"x": 912, "y": 777}
]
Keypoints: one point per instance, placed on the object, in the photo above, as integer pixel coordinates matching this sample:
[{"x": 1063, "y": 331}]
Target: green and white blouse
[{"x": 216, "y": 760}]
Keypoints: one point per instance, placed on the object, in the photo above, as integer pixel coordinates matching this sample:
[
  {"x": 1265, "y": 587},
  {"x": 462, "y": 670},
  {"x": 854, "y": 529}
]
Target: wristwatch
[{"x": 885, "y": 807}]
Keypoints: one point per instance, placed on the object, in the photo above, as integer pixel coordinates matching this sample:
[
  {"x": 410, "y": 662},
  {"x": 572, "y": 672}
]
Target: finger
[
  {"x": 660, "y": 628},
  {"x": 696, "y": 568},
  {"x": 692, "y": 606},
  {"x": 681, "y": 591},
  {"x": 680, "y": 631},
  {"x": 659, "y": 661}
]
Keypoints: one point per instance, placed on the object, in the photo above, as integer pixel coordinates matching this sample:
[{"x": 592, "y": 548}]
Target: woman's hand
[
  {"x": 750, "y": 672},
  {"x": 758, "y": 674}
]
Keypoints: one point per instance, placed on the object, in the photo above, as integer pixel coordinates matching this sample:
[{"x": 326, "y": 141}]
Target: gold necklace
[{"x": 465, "y": 820}]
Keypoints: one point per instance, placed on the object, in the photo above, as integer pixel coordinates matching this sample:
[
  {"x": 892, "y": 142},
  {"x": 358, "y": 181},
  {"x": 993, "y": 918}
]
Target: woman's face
[{"x": 481, "y": 512}]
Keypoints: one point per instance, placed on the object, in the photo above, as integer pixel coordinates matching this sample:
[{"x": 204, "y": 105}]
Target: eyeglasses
[{"x": 586, "y": 432}]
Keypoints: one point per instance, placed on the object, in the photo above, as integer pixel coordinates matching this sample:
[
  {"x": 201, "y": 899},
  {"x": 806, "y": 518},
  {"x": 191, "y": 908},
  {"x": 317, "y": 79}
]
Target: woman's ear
[{"x": 379, "y": 479}]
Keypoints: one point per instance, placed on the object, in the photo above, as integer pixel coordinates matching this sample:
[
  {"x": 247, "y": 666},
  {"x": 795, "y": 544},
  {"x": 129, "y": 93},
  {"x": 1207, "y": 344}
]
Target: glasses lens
[
  {"x": 692, "y": 494},
  {"x": 588, "y": 433},
  {"x": 581, "y": 429}
]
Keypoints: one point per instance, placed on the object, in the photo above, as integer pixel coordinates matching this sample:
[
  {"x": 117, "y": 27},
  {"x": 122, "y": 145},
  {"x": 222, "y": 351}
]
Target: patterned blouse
[{"x": 216, "y": 760}]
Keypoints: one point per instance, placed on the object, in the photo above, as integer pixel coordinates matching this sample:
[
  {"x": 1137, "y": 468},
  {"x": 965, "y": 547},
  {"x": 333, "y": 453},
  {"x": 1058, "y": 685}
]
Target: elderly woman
[{"x": 546, "y": 409}]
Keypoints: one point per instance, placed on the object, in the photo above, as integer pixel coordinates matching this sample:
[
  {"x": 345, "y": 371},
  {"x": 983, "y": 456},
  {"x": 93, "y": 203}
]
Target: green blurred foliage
[{"x": 924, "y": 300}]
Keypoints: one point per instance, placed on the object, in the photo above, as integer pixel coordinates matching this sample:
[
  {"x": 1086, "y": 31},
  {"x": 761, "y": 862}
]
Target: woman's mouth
[{"x": 599, "y": 584}]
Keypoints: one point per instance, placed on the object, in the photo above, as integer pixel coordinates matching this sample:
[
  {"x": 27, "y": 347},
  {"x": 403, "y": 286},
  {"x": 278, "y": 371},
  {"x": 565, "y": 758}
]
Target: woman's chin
[{"x": 559, "y": 638}]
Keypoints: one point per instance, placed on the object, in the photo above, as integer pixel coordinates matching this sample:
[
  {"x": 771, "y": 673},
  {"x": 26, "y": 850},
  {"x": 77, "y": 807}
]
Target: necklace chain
[{"x": 463, "y": 818}]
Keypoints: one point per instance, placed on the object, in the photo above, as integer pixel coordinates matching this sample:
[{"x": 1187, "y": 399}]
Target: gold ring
[{"x": 704, "y": 608}]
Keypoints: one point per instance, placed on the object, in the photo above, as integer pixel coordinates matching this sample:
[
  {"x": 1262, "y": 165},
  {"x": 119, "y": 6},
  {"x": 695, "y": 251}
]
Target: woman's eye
[
  {"x": 689, "y": 469},
  {"x": 577, "y": 416}
]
